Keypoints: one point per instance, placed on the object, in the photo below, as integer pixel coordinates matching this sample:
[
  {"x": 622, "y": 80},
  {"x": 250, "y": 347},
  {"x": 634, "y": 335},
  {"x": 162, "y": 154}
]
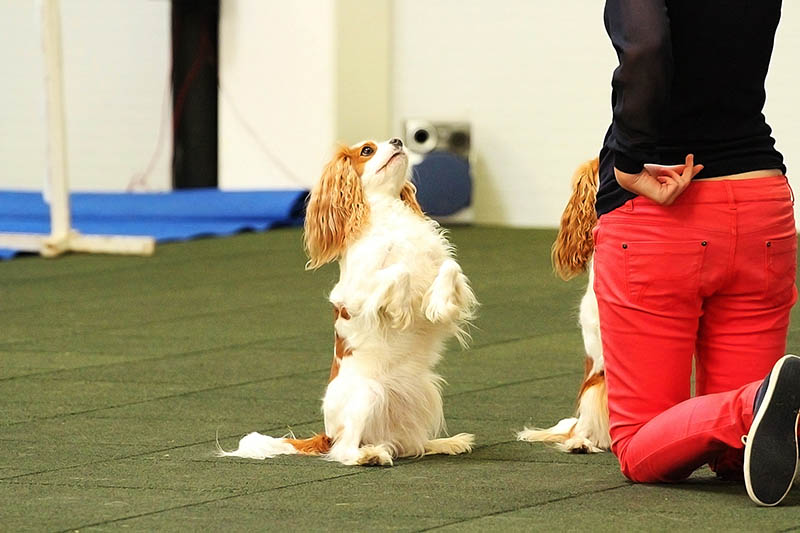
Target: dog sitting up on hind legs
[
  {"x": 400, "y": 296},
  {"x": 587, "y": 431}
]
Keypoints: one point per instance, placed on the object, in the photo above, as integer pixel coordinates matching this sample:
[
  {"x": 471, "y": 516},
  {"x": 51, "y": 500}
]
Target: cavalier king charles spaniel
[
  {"x": 587, "y": 431},
  {"x": 399, "y": 297}
]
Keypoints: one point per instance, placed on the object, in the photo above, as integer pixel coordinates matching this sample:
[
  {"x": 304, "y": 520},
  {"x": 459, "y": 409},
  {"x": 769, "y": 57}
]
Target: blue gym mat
[{"x": 168, "y": 216}]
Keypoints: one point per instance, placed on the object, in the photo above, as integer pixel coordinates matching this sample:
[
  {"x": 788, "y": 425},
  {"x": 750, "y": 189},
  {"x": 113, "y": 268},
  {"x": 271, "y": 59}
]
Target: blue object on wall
[{"x": 444, "y": 183}]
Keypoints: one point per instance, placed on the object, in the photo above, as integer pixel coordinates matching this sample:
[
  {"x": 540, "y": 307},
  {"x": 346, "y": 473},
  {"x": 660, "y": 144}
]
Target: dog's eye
[{"x": 367, "y": 150}]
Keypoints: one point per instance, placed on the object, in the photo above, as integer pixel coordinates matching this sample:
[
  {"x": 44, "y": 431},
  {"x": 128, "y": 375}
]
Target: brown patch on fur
[
  {"x": 337, "y": 209},
  {"x": 588, "y": 364},
  {"x": 574, "y": 244},
  {"x": 340, "y": 348},
  {"x": 360, "y": 160},
  {"x": 316, "y": 445},
  {"x": 340, "y": 312},
  {"x": 334, "y": 369},
  {"x": 409, "y": 195},
  {"x": 591, "y": 381}
]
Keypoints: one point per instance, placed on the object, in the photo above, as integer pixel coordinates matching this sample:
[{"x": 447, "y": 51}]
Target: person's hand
[{"x": 661, "y": 184}]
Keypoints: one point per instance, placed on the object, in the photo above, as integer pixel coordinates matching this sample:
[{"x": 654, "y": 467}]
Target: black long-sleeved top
[{"x": 690, "y": 80}]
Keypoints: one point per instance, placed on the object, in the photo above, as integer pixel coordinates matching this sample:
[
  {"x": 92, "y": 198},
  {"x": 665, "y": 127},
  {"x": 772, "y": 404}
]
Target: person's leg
[
  {"x": 654, "y": 265},
  {"x": 646, "y": 316},
  {"x": 743, "y": 329},
  {"x": 771, "y": 450}
]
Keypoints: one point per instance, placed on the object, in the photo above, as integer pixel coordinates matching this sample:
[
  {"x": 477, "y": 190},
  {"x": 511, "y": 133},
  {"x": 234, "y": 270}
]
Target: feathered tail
[{"x": 258, "y": 446}]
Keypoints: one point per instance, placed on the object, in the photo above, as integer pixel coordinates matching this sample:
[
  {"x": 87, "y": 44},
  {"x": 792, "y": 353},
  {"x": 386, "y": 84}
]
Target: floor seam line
[
  {"x": 140, "y": 454},
  {"x": 524, "y": 507}
]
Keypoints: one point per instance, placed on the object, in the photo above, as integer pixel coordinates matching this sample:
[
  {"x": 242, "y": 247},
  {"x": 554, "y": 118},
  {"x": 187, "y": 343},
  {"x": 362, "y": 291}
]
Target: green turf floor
[{"x": 116, "y": 374}]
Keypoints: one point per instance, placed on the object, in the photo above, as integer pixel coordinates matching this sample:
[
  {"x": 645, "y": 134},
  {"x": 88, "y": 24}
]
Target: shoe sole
[{"x": 772, "y": 439}]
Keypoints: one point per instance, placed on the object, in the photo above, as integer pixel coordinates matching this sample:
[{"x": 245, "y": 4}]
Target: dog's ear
[
  {"x": 574, "y": 244},
  {"x": 409, "y": 195},
  {"x": 337, "y": 211}
]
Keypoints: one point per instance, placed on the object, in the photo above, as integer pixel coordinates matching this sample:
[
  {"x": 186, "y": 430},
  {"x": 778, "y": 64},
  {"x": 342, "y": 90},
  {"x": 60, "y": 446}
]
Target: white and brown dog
[
  {"x": 399, "y": 297},
  {"x": 587, "y": 431}
]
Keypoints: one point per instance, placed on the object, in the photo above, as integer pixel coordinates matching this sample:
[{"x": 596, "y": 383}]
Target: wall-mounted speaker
[{"x": 440, "y": 155}]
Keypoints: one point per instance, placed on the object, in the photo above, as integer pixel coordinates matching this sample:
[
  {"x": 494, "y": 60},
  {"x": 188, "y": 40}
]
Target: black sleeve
[{"x": 640, "y": 33}]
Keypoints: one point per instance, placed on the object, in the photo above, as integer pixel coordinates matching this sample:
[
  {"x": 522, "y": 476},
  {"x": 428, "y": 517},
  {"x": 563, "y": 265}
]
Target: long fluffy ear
[
  {"x": 337, "y": 212},
  {"x": 574, "y": 245},
  {"x": 409, "y": 195}
]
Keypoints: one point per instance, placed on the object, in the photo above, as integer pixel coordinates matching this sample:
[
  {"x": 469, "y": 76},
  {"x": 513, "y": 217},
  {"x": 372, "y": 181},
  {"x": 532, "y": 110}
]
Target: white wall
[
  {"x": 116, "y": 66},
  {"x": 296, "y": 78},
  {"x": 534, "y": 80},
  {"x": 782, "y": 109},
  {"x": 532, "y": 77},
  {"x": 276, "y": 107}
]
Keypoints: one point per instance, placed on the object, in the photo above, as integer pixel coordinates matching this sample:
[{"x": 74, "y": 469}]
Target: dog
[
  {"x": 400, "y": 296},
  {"x": 587, "y": 431}
]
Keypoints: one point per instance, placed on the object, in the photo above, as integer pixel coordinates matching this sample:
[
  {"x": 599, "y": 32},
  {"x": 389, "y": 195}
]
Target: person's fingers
[
  {"x": 654, "y": 169},
  {"x": 674, "y": 175}
]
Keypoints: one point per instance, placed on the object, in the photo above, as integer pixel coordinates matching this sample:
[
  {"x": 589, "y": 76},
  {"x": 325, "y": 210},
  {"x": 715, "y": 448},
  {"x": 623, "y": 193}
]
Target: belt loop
[
  {"x": 791, "y": 191},
  {"x": 731, "y": 196},
  {"x": 628, "y": 206}
]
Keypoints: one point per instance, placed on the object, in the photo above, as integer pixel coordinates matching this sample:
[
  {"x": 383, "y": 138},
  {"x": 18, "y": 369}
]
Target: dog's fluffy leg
[
  {"x": 450, "y": 297},
  {"x": 390, "y": 297},
  {"x": 590, "y": 434},
  {"x": 589, "y": 319},
  {"x": 349, "y": 405},
  {"x": 558, "y": 433},
  {"x": 450, "y": 300},
  {"x": 461, "y": 443}
]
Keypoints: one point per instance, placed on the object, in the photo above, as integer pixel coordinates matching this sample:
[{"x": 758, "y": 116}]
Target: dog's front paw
[
  {"x": 377, "y": 455},
  {"x": 449, "y": 298},
  {"x": 399, "y": 315},
  {"x": 441, "y": 308},
  {"x": 389, "y": 303}
]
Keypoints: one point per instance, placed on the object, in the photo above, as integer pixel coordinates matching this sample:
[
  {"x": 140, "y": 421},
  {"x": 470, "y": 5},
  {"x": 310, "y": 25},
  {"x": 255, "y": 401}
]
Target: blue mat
[{"x": 171, "y": 216}]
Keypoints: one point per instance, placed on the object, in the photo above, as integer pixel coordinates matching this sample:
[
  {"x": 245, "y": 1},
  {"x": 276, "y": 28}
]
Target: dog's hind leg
[
  {"x": 349, "y": 405},
  {"x": 590, "y": 434},
  {"x": 461, "y": 443},
  {"x": 589, "y": 320}
]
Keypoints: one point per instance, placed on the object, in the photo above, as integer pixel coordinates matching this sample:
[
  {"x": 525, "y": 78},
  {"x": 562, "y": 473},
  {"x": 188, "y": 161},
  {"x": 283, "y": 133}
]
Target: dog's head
[{"x": 338, "y": 209}]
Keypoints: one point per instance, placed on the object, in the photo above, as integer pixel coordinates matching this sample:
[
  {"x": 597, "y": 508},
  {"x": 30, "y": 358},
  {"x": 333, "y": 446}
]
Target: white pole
[
  {"x": 56, "y": 129},
  {"x": 56, "y": 188}
]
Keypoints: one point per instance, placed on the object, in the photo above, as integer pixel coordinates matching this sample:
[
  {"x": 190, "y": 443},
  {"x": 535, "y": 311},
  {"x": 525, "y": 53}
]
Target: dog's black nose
[{"x": 396, "y": 142}]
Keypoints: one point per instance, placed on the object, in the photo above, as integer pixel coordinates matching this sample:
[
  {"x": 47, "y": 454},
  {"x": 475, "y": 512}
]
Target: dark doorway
[{"x": 195, "y": 72}]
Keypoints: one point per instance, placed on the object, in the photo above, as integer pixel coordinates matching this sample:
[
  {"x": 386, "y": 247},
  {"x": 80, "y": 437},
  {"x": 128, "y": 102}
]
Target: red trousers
[{"x": 710, "y": 280}]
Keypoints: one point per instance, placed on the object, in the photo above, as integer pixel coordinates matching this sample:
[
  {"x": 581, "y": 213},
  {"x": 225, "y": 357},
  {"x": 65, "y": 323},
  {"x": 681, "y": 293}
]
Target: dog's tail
[
  {"x": 585, "y": 433},
  {"x": 574, "y": 245},
  {"x": 258, "y": 446}
]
